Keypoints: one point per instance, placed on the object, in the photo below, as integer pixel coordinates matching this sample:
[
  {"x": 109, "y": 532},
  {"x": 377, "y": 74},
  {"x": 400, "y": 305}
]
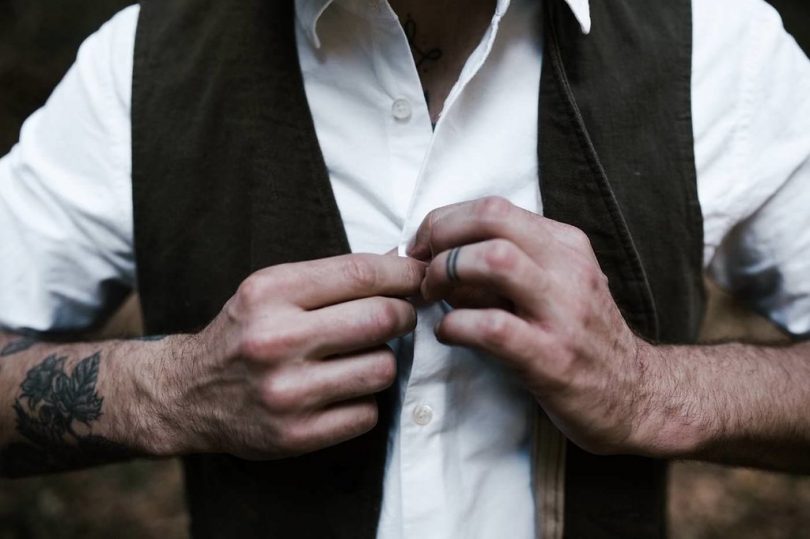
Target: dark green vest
[{"x": 228, "y": 178}]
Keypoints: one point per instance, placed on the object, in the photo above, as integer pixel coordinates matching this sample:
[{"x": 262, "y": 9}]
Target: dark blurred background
[{"x": 38, "y": 42}]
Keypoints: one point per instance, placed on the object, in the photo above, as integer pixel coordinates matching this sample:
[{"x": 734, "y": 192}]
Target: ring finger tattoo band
[{"x": 452, "y": 259}]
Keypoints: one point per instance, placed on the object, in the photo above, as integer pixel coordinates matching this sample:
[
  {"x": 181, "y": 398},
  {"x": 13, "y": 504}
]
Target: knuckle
[
  {"x": 590, "y": 276},
  {"x": 258, "y": 344},
  {"x": 580, "y": 239},
  {"x": 267, "y": 284},
  {"x": 493, "y": 207},
  {"x": 386, "y": 317},
  {"x": 385, "y": 369},
  {"x": 414, "y": 272},
  {"x": 495, "y": 328},
  {"x": 252, "y": 289},
  {"x": 280, "y": 394},
  {"x": 501, "y": 256},
  {"x": 285, "y": 341},
  {"x": 253, "y": 347},
  {"x": 360, "y": 272},
  {"x": 367, "y": 416}
]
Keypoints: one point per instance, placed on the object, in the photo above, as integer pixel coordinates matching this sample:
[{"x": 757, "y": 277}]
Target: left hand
[{"x": 530, "y": 292}]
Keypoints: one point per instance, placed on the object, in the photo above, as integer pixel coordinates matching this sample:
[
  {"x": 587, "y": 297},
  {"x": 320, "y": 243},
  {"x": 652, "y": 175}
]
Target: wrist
[
  {"x": 669, "y": 423},
  {"x": 159, "y": 415}
]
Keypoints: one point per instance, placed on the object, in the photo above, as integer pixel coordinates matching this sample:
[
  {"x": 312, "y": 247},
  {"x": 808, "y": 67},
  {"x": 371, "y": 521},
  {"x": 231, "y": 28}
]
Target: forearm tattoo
[
  {"x": 151, "y": 338},
  {"x": 55, "y": 412},
  {"x": 15, "y": 346}
]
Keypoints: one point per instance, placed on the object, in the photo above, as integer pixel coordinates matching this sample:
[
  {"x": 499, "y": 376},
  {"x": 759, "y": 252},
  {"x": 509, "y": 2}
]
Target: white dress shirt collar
[{"x": 309, "y": 12}]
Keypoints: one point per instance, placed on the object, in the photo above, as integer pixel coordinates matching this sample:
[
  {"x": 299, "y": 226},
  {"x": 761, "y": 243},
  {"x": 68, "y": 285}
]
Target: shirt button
[
  {"x": 401, "y": 109},
  {"x": 422, "y": 414}
]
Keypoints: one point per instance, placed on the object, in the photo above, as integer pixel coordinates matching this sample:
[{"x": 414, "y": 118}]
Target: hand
[
  {"x": 293, "y": 361},
  {"x": 530, "y": 292}
]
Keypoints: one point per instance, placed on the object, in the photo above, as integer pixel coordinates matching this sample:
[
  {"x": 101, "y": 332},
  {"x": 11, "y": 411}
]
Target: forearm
[
  {"x": 68, "y": 406},
  {"x": 728, "y": 403}
]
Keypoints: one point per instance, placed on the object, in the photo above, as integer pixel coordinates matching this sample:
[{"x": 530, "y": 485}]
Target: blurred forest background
[{"x": 38, "y": 42}]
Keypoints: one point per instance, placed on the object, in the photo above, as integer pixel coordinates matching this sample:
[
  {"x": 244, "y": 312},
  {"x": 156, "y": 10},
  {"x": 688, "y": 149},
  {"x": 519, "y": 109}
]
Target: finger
[
  {"x": 314, "y": 384},
  {"x": 348, "y": 377},
  {"x": 496, "y": 332},
  {"x": 359, "y": 324},
  {"x": 491, "y": 218},
  {"x": 339, "y": 423},
  {"x": 329, "y": 281},
  {"x": 497, "y": 266},
  {"x": 419, "y": 247}
]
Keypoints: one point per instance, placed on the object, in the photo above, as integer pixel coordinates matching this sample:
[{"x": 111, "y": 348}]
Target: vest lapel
[
  {"x": 574, "y": 186},
  {"x": 296, "y": 176},
  {"x": 235, "y": 169},
  {"x": 599, "y": 97}
]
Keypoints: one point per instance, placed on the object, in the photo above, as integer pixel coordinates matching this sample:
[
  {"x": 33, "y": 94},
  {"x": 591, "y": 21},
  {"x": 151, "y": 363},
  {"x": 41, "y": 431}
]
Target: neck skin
[{"x": 442, "y": 35}]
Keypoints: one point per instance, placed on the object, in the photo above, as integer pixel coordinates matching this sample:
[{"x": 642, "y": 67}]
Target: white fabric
[
  {"x": 450, "y": 477},
  {"x": 66, "y": 209}
]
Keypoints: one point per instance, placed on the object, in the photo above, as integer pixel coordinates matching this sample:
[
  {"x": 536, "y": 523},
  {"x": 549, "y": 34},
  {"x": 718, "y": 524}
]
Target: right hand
[{"x": 293, "y": 361}]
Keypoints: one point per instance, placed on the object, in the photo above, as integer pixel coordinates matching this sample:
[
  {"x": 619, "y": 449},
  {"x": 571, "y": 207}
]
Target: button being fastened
[
  {"x": 401, "y": 109},
  {"x": 422, "y": 414}
]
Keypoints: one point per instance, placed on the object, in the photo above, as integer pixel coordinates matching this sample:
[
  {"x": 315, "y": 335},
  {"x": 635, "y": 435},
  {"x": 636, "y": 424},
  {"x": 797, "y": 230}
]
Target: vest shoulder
[{"x": 192, "y": 20}]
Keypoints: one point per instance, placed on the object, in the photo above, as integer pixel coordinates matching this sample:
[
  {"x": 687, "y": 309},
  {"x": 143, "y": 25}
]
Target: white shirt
[{"x": 458, "y": 464}]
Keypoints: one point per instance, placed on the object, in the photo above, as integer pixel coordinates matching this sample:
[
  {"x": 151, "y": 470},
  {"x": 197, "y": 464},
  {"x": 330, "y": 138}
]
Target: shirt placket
[{"x": 419, "y": 445}]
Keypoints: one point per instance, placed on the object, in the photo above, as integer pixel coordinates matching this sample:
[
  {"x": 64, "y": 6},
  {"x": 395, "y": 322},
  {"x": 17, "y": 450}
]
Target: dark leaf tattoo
[
  {"x": 55, "y": 399},
  {"x": 40, "y": 380},
  {"x": 18, "y": 345},
  {"x": 50, "y": 404},
  {"x": 83, "y": 403}
]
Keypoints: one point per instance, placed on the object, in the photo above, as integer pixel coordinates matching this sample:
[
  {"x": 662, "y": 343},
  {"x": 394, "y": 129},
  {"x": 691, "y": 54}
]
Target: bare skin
[
  {"x": 442, "y": 35},
  {"x": 547, "y": 312},
  {"x": 291, "y": 365}
]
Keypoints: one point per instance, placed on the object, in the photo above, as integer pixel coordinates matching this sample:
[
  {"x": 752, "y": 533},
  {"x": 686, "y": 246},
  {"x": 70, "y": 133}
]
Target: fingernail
[
  {"x": 411, "y": 244},
  {"x": 436, "y": 333},
  {"x": 418, "y": 252},
  {"x": 424, "y": 293}
]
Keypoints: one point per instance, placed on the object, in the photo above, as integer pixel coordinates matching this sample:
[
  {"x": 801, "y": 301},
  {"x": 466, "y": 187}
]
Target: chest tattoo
[{"x": 422, "y": 57}]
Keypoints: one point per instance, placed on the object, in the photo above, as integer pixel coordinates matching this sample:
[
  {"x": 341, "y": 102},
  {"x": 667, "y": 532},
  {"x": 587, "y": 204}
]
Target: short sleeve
[
  {"x": 765, "y": 260},
  {"x": 66, "y": 245},
  {"x": 757, "y": 204}
]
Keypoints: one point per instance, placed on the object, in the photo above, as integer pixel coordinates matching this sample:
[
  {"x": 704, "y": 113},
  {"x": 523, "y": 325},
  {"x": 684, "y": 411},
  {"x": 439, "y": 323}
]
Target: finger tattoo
[{"x": 452, "y": 259}]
